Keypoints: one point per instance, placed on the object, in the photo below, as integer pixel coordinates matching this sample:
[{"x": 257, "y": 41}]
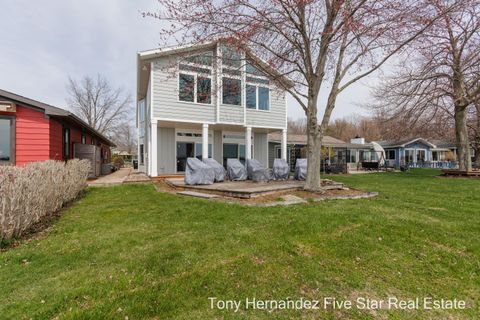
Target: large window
[
  {"x": 7, "y": 139},
  {"x": 257, "y": 97},
  {"x": 409, "y": 155},
  {"x": 232, "y": 91},
  {"x": 421, "y": 155},
  {"x": 194, "y": 81},
  {"x": 186, "y": 87},
  {"x": 66, "y": 143}
]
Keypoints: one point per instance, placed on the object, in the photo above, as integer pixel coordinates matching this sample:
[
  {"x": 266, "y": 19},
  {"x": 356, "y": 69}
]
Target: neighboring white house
[{"x": 204, "y": 101}]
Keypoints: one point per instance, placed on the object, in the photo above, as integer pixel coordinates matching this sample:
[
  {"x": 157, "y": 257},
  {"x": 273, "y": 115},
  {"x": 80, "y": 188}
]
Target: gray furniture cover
[
  {"x": 280, "y": 169},
  {"x": 256, "y": 171},
  {"x": 197, "y": 172},
  {"x": 217, "y": 168},
  {"x": 236, "y": 170},
  {"x": 301, "y": 169}
]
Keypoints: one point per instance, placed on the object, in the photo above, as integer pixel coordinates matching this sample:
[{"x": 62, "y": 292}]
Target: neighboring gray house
[
  {"x": 205, "y": 101},
  {"x": 419, "y": 152}
]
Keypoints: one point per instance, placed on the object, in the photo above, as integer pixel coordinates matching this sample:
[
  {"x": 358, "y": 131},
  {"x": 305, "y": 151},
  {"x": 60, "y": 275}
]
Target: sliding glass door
[{"x": 184, "y": 150}]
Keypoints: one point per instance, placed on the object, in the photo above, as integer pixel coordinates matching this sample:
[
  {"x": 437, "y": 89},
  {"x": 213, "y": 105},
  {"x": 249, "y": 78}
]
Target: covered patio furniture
[
  {"x": 301, "y": 169},
  {"x": 217, "y": 168},
  {"x": 197, "y": 172},
  {"x": 236, "y": 170},
  {"x": 256, "y": 171},
  {"x": 280, "y": 169}
]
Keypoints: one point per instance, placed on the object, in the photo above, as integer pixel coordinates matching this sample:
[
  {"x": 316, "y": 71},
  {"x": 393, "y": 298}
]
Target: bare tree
[
  {"x": 297, "y": 126},
  {"x": 314, "y": 43},
  {"x": 96, "y": 102},
  {"x": 125, "y": 137},
  {"x": 441, "y": 75}
]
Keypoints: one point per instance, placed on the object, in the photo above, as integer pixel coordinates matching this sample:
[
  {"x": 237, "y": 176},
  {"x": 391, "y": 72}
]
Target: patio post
[
  {"x": 153, "y": 153},
  {"x": 205, "y": 141},
  {"x": 284, "y": 144},
  {"x": 248, "y": 142}
]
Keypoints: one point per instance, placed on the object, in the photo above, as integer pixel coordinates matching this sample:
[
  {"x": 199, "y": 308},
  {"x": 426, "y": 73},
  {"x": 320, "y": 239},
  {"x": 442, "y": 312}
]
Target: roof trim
[
  {"x": 53, "y": 111},
  {"x": 402, "y": 145}
]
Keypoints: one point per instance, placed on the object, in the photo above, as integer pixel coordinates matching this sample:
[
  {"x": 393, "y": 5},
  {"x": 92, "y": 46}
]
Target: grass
[{"x": 130, "y": 251}]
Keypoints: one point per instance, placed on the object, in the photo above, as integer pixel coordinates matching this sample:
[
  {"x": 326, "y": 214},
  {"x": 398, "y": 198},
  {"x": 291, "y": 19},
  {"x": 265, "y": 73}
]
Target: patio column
[
  {"x": 205, "y": 141},
  {"x": 248, "y": 142},
  {"x": 284, "y": 144},
  {"x": 153, "y": 153}
]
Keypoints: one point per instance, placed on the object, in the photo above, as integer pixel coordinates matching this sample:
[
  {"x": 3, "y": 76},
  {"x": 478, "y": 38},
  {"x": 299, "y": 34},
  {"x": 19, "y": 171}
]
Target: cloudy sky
[{"x": 45, "y": 42}]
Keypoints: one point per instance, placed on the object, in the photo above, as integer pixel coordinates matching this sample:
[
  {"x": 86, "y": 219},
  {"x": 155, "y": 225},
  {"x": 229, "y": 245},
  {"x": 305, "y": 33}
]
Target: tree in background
[
  {"x": 97, "y": 103},
  {"x": 315, "y": 43},
  {"x": 440, "y": 73}
]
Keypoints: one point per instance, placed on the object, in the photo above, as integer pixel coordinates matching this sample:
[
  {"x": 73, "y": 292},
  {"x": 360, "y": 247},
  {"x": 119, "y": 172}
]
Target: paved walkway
[{"x": 114, "y": 178}]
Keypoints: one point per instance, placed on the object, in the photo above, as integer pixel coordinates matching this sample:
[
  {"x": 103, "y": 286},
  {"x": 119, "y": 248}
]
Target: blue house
[{"x": 418, "y": 152}]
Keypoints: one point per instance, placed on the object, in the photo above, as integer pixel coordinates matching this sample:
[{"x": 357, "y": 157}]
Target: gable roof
[
  {"x": 327, "y": 141},
  {"x": 53, "y": 112},
  {"x": 403, "y": 143}
]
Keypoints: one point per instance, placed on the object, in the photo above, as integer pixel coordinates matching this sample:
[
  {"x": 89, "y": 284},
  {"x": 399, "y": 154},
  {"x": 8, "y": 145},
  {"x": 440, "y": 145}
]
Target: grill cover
[
  {"x": 217, "y": 168},
  {"x": 301, "y": 169},
  {"x": 236, "y": 170},
  {"x": 197, "y": 172},
  {"x": 256, "y": 171},
  {"x": 280, "y": 169}
]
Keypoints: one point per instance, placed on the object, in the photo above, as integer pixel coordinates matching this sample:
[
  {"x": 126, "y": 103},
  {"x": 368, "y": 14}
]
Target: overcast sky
[{"x": 45, "y": 42}]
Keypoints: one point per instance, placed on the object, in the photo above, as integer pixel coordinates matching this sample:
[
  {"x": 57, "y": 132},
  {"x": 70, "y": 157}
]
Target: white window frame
[
  {"x": 195, "y": 78},
  {"x": 257, "y": 96}
]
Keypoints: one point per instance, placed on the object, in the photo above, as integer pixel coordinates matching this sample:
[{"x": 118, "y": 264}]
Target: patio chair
[
  {"x": 197, "y": 172},
  {"x": 217, "y": 168},
  {"x": 280, "y": 169},
  {"x": 236, "y": 170},
  {"x": 256, "y": 171},
  {"x": 301, "y": 169}
]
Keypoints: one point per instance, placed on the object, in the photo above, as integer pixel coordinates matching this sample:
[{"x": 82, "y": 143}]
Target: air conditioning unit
[{"x": 7, "y": 106}]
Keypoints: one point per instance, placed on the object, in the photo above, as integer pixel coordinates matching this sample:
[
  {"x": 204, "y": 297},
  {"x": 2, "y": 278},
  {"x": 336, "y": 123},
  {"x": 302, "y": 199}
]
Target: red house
[{"x": 34, "y": 131}]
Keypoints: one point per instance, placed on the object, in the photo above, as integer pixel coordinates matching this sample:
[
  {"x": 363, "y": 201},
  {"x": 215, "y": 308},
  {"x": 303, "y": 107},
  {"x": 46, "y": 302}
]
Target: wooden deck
[
  {"x": 244, "y": 189},
  {"x": 461, "y": 173}
]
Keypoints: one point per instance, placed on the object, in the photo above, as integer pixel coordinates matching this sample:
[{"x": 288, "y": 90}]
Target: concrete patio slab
[
  {"x": 111, "y": 179},
  {"x": 198, "y": 194}
]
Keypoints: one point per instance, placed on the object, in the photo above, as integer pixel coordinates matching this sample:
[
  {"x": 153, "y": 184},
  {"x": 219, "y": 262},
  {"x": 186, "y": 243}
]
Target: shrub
[
  {"x": 29, "y": 193},
  {"x": 118, "y": 161}
]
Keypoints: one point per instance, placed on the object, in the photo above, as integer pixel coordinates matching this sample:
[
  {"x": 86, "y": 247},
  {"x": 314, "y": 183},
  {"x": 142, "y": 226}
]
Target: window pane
[
  {"x": 203, "y": 58},
  {"x": 231, "y": 91},
  {"x": 186, "y": 86},
  {"x": 198, "y": 151},
  {"x": 204, "y": 90},
  {"x": 253, "y": 70},
  {"x": 231, "y": 58},
  {"x": 263, "y": 98},
  {"x": 5, "y": 140},
  {"x": 251, "y": 97}
]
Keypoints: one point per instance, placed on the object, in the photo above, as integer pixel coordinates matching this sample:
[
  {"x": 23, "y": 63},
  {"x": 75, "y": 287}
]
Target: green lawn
[{"x": 130, "y": 251}]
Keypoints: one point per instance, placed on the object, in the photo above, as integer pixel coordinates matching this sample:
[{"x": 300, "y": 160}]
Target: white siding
[
  {"x": 275, "y": 117},
  {"x": 231, "y": 114},
  {"x": 165, "y": 96}
]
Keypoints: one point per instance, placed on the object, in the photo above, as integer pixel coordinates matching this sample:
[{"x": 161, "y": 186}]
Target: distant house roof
[
  {"x": 53, "y": 112},
  {"x": 443, "y": 144},
  {"x": 327, "y": 141},
  {"x": 405, "y": 142}
]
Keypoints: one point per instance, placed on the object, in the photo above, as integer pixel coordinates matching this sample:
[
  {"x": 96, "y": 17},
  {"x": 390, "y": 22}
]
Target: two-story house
[{"x": 204, "y": 101}]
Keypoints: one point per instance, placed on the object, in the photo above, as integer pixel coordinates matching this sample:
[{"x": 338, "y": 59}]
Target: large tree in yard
[
  {"x": 314, "y": 43},
  {"x": 441, "y": 73}
]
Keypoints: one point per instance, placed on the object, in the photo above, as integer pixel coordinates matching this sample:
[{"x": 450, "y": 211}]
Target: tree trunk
[
  {"x": 461, "y": 134},
  {"x": 476, "y": 141},
  {"x": 314, "y": 144}
]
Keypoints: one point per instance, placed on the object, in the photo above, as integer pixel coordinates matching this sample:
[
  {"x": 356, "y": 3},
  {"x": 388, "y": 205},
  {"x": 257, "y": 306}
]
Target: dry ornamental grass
[{"x": 29, "y": 193}]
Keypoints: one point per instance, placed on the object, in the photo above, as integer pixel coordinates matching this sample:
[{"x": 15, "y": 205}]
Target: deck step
[{"x": 198, "y": 194}]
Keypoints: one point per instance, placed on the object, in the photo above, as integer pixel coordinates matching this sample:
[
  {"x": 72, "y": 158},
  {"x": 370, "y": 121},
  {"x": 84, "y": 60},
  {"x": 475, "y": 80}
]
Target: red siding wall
[
  {"x": 39, "y": 138},
  {"x": 32, "y": 135},
  {"x": 56, "y": 128}
]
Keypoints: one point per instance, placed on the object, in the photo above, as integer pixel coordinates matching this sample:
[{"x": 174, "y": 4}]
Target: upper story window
[
  {"x": 231, "y": 91},
  {"x": 7, "y": 139},
  {"x": 194, "y": 80}
]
